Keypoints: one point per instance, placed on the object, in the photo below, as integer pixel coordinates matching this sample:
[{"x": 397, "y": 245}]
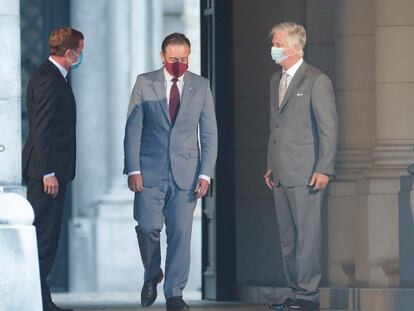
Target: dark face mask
[{"x": 176, "y": 69}]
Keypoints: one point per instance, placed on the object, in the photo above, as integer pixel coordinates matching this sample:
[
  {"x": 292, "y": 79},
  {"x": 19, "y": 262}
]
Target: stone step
[{"x": 352, "y": 299}]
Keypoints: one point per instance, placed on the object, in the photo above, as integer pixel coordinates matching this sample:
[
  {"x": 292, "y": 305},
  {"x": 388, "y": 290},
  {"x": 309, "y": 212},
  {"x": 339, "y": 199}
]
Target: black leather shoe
[
  {"x": 149, "y": 290},
  {"x": 303, "y": 305},
  {"x": 176, "y": 304},
  {"x": 50, "y": 306},
  {"x": 283, "y": 305}
]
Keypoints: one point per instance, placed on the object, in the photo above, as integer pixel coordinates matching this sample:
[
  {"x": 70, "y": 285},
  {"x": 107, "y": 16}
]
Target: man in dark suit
[
  {"x": 50, "y": 151},
  {"x": 301, "y": 161}
]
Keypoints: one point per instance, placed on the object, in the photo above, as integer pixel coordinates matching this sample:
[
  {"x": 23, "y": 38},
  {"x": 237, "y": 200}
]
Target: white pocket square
[{"x": 299, "y": 94}]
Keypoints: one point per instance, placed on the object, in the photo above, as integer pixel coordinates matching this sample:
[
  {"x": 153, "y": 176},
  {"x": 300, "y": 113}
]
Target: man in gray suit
[
  {"x": 171, "y": 111},
  {"x": 301, "y": 157}
]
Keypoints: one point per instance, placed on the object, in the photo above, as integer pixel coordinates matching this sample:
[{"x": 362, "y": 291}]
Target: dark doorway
[{"x": 219, "y": 266}]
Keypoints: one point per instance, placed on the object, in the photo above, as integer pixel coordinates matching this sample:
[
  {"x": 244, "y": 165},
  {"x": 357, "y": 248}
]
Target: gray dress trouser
[
  {"x": 154, "y": 206},
  {"x": 298, "y": 212}
]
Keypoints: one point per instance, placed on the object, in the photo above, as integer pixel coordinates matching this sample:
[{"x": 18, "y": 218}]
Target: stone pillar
[
  {"x": 90, "y": 86},
  {"x": 191, "y": 16},
  {"x": 355, "y": 96},
  {"x": 406, "y": 229},
  {"x": 156, "y": 27},
  {"x": 116, "y": 244},
  {"x": 393, "y": 151},
  {"x": 119, "y": 44},
  {"x": 10, "y": 94},
  {"x": 138, "y": 38},
  {"x": 20, "y": 280}
]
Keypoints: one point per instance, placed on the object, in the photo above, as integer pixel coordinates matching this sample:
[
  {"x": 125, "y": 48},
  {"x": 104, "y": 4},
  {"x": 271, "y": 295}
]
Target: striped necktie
[{"x": 283, "y": 85}]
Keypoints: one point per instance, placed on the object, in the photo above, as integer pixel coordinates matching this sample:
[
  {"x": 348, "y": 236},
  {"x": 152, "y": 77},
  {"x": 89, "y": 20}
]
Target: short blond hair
[{"x": 296, "y": 34}]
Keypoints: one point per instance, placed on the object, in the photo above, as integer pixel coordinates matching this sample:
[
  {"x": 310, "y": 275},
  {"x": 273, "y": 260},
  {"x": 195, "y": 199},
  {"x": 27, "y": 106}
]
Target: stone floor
[{"x": 129, "y": 302}]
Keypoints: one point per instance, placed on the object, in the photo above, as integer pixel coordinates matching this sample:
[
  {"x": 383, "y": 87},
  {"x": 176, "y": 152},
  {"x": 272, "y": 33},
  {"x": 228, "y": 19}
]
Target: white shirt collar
[
  {"x": 62, "y": 69},
  {"x": 292, "y": 70},
  {"x": 169, "y": 77}
]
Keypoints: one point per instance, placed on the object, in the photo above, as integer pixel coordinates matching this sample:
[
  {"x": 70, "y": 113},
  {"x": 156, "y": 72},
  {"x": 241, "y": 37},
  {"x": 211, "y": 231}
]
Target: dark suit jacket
[{"x": 51, "y": 145}]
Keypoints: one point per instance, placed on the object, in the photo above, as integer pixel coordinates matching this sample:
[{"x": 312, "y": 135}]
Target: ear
[
  {"x": 297, "y": 47},
  {"x": 162, "y": 57},
  {"x": 67, "y": 53}
]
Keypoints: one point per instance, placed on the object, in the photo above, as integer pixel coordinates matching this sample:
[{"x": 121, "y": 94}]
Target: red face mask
[{"x": 176, "y": 69}]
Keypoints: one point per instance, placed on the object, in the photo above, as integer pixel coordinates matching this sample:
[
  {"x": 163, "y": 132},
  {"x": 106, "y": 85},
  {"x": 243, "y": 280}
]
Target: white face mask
[{"x": 278, "y": 54}]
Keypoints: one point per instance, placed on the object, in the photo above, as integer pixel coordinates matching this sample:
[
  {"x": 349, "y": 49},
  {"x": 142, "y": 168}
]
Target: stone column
[
  {"x": 138, "y": 38},
  {"x": 20, "y": 280},
  {"x": 355, "y": 95},
  {"x": 393, "y": 151},
  {"x": 119, "y": 44},
  {"x": 116, "y": 244},
  {"x": 10, "y": 91},
  {"x": 90, "y": 86}
]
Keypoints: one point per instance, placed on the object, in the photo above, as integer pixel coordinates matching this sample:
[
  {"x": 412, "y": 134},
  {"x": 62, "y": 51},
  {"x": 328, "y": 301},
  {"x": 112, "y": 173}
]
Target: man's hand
[
  {"x": 135, "y": 183},
  {"x": 319, "y": 181},
  {"x": 201, "y": 188},
  {"x": 51, "y": 186},
  {"x": 268, "y": 177}
]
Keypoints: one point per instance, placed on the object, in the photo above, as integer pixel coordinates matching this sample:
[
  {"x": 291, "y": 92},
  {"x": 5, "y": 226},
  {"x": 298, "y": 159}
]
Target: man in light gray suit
[
  {"x": 171, "y": 111},
  {"x": 301, "y": 157}
]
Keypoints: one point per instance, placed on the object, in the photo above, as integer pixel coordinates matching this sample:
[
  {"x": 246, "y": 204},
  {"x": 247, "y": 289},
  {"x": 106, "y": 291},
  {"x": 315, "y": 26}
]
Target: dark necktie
[{"x": 174, "y": 104}]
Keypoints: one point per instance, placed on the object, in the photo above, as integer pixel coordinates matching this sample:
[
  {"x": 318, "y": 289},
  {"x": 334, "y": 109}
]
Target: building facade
[{"x": 364, "y": 47}]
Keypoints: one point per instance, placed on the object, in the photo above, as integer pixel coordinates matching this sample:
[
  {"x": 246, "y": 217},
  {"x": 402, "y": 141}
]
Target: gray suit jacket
[
  {"x": 304, "y": 131},
  {"x": 152, "y": 144}
]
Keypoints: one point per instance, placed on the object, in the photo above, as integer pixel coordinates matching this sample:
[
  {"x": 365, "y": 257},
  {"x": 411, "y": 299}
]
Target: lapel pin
[{"x": 299, "y": 94}]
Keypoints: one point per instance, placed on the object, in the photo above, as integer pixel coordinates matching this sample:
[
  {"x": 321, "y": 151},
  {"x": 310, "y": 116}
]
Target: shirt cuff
[
  {"x": 134, "y": 173},
  {"x": 205, "y": 178},
  {"x": 49, "y": 175}
]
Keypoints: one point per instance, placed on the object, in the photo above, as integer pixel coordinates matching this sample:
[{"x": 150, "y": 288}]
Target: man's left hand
[
  {"x": 319, "y": 181},
  {"x": 201, "y": 188}
]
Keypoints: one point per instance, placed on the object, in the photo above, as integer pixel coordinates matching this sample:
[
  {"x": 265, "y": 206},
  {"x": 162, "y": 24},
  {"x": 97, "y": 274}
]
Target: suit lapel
[
  {"x": 65, "y": 85},
  {"x": 160, "y": 90},
  {"x": 297, "y": 78},
  {"x": 186, "y": 96},
  {"x": 68, "y": 87},
  {"x": 62, "y": 80}
]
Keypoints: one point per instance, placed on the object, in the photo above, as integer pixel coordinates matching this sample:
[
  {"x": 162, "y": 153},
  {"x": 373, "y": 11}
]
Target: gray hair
[{"x": 296, "y": 34}]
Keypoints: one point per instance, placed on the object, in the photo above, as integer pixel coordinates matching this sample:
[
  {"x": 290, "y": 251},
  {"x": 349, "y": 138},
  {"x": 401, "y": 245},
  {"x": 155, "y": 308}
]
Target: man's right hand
[
  {"x": 268, "y": 177},
  {"x": 135, "y": 182},
  {"x": 51, "y": 186}
]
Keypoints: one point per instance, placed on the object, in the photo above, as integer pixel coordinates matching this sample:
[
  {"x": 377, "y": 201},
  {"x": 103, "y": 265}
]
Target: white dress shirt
[
  {"x": 64, "y": 73},
  {"x": 168, "y": 85},
  {"x": 62, "y": 69}
]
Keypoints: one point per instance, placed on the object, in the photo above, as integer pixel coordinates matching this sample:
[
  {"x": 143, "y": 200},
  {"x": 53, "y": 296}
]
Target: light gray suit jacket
[
  {"x": 304, "y": 131},
  {"x": 153, "y": 144}
]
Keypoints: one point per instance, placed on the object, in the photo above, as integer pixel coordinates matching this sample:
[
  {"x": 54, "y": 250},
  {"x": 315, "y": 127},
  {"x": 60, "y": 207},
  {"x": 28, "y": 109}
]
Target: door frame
[{"x": 219, "y": 241}]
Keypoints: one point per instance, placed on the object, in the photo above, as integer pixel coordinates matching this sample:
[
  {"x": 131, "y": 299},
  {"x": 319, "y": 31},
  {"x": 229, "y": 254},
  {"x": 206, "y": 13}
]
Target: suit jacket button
[{"x": 274, "y": 142}]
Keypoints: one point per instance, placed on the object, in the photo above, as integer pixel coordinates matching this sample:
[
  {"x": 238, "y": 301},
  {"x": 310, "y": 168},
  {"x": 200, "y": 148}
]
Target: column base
[{"x": 18, "y": 189}]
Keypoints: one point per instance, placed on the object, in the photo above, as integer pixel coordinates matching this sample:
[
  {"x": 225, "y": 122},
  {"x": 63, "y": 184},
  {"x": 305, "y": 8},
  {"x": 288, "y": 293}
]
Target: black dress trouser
[{"x": 48, "y": 220}]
